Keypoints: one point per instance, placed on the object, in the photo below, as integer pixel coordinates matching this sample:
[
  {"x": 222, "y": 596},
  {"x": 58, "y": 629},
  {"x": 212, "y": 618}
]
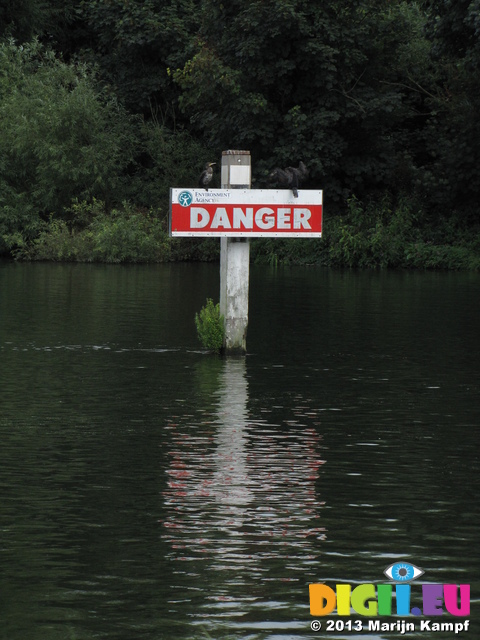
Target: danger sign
[{"x": 245, "y": 212}]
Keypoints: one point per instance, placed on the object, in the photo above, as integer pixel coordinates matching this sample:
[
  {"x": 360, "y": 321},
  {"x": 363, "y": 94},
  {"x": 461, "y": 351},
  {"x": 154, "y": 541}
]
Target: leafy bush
[
  {"x": 65, "y": 139},
  {"x": 58, "y": 242},
  {"x": 381, "y": 234},
  {"x": 124, "y": 235},
  {"x": 210, "y": 327},
  {"x": 61, "y": 138},
  {"x": 129, "y": 235}
]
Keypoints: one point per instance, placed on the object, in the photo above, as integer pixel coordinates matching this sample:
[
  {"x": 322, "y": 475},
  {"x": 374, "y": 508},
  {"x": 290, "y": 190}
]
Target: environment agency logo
[
  {"x": 185, "y": 198},
  {"x": 392, "y": 599}
]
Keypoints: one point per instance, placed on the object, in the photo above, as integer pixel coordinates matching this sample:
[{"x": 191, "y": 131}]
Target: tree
[
  {"x": 454, "y": 27},
  {"x": 133, "y": 42},
  {"x": 450, "y": 177},
  {"x": 25, "y": 19},
  {"x": 61, "y": 139},
  {"x": 292, "y": 80}
]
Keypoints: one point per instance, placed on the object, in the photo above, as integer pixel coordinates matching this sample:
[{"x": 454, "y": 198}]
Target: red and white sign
[{"x": 246, "y": 212}]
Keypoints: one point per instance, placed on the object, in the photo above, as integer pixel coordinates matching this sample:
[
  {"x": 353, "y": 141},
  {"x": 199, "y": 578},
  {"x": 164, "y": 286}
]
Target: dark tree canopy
[
  {"x": 292, "y": 80},
  {"x": 134, "y": 42},
  {"x": 375, "y": 96},
  {"x": 452, "y": 132}
]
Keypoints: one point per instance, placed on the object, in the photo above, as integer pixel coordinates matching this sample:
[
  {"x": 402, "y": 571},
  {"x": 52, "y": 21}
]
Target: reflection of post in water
[
  {"x": 231, "y": 480},
  {"x": 241, "y": 500}
]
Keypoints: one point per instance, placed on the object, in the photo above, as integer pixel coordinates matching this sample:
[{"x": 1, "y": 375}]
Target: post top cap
[{"x": 236, "y": 152}]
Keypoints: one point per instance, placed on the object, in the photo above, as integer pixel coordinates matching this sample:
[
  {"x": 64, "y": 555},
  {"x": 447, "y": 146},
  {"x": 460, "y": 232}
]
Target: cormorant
[
  {"x": 206, "y": 176},
  {"x": 298, "y": 176},
  {"x": 291, "y": 177}
]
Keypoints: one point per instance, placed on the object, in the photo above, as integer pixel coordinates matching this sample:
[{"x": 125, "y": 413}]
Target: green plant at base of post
[{"x": 210, "y": 327}]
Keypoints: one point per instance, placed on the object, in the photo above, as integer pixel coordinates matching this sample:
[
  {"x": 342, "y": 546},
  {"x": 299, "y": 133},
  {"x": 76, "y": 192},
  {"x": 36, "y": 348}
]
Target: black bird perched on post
[
  {"x": 291, "y": 177},
  {"x": 206, "y": 175},
  {"x": 298, "y": 176}
]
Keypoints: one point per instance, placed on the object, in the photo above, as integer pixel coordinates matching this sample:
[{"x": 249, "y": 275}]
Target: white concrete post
[{"x": 235, "y": 260}]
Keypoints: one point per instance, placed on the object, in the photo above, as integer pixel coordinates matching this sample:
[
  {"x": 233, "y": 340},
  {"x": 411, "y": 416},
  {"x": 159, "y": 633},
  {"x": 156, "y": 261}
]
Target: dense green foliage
[
  {"x": 380, "y": 236},
  {"x": 60, "y": 140},
  {"x": 452, "y": 131},
  {"x": 264, "y": 79},
  {"x": 125, "y": 235},
  {"x": 106, "y": 104},
  {"x": 210, "y": 326},
  {"x": 65, "y": 139}
]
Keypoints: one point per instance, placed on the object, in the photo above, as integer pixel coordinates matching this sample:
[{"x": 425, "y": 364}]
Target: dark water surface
[{"x": 153, "y": 491}]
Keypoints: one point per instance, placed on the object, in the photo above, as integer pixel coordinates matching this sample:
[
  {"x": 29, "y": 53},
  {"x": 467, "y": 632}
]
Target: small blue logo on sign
[{"x": 185, "y": 198}]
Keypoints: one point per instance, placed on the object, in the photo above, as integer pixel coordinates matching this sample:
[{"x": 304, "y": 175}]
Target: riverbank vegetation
[{"x": 106, "y": 104}]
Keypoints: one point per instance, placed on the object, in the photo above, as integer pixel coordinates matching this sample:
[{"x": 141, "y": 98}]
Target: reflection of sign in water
[{"x": 241, "y": 497}]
